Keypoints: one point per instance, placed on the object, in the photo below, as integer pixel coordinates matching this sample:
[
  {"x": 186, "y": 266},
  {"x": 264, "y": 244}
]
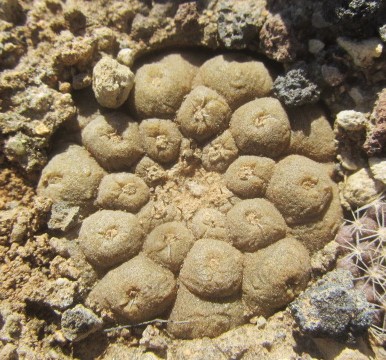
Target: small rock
[
  {"x": 362, "y": 52},
  {"x": 351, "y": 160},
  {"x": 333, "y": 308},
  {"x": 64, "y": 87},
  {"x": 378, "y": 168},
  {"x": 325, "y": 259},
  {"x": 112, "y": 82},
  {"x": 21, "y": 226},
  {"x": 16, "y": 146},
  {"x": 357, "y": 18},
  {"x": 186, "y": 18},
  {"x": 261, "y": 322},
  {"x": 277, "y": 40},
  {"x": 315, "y": 46},
  {"x": 360, "y": 189},
  {"x": 351, "y": 120},
  {"x": 332, "y": 75},
  {"x": 63, "y": 216},
  {"x": 296, "y": 88},
  {"x": 152, "y": 339},
  {"x": 79, "y": 322},
  {"x": 376, "y": 138},
  {"x": 40, "y": 128},
  {"x": 238, "y": 23},
  {"x": 126, "y": 56}
]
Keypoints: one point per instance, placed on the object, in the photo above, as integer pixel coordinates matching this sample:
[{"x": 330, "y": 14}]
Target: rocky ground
[{"x": 327, "y": 51}]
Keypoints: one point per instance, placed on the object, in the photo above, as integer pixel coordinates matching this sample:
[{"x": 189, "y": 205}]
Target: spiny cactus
[{"x": 362, "y": 244}]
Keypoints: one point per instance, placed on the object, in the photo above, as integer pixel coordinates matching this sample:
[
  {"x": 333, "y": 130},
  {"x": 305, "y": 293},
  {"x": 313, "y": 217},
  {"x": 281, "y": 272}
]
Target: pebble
[
  {"x": 378, "y": 168},
  {"x": 360, "y": 189},
  {"x": 362, "y": 52},
  {"x": 351, "y": 120},
  {"x": 126, "y": 57},
  {"x": 79, "y": 322},
  {"x": 333, "y": 308},
  {"x": 111, "y": 82},
  {"x": 315, "y": 46},
  {"x": 63, "y": 216}
]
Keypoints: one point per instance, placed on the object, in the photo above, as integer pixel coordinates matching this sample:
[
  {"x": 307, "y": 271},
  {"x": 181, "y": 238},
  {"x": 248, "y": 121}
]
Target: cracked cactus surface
[{"x": 202, "y": 199}]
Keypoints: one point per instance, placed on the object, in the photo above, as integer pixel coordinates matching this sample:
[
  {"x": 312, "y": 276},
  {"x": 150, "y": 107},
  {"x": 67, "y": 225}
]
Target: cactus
[{"x": 362, "y": 245}]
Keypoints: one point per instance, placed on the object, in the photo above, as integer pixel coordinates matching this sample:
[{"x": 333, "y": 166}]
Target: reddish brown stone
[
  {"x": 376, "y": 140},
  {"x": 276, "y": 40}
]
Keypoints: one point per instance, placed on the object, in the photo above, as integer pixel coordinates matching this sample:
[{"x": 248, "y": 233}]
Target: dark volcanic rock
[
  {"x": 333, "y": 308},
  {"x": 296, "y": 88},
  {"x": 354, "y": 17}
]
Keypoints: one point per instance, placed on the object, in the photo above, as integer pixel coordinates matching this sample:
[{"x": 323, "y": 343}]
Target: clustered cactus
[
  {"x": 206, "y": 203},
  {"x": 362, "y": 244}
]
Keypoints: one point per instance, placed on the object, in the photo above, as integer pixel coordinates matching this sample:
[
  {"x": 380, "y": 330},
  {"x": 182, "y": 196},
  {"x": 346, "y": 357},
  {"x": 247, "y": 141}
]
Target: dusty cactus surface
[
  {"x": 173, "y": 175},
  {"x": 216, "y": 241}
]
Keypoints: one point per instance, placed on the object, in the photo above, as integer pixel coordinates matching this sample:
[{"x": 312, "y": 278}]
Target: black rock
[
  {"x": 333, "y": 308},
  {"x": 296, "y": 88},
  {"x": 356, "y": 18}
]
